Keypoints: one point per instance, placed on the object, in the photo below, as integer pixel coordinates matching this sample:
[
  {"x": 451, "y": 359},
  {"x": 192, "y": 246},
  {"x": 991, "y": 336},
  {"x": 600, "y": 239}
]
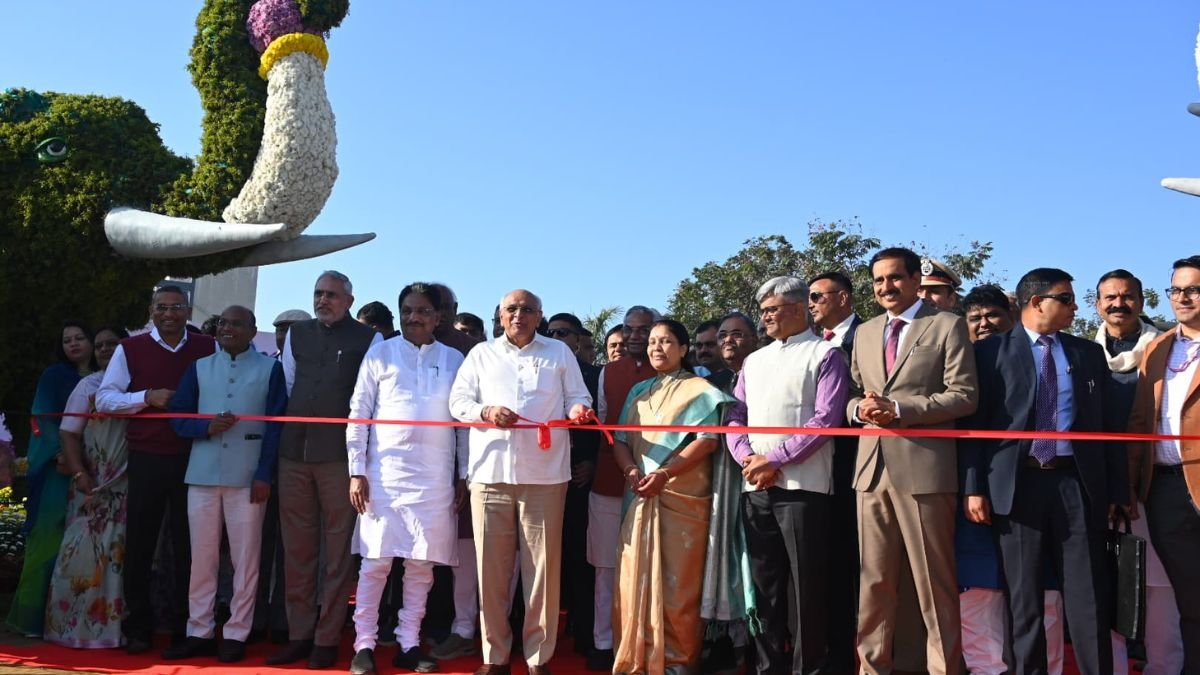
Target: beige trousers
[
  {"x": 897, "y": 529},
  {"x": 528, "y": 518}
]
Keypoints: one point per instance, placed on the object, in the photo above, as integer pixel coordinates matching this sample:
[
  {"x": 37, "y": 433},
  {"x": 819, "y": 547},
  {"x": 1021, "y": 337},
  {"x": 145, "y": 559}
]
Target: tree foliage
[
  {"x": 598, "y": 324},
  {"x": 716, "y": 288}
]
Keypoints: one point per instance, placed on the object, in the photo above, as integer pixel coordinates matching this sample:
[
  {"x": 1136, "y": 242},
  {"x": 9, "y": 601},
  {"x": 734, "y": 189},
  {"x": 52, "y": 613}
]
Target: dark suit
[
  {"x": 578, "y": 577},
  {"x": 1061, "y": 512},
  {"x": 843, "y": 551}
]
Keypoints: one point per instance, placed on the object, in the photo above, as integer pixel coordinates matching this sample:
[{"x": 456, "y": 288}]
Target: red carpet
[{"x": 41, "y": 655}]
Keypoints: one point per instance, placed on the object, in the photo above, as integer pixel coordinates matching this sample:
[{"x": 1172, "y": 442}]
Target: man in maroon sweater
[{"x": 142, "y": 376}]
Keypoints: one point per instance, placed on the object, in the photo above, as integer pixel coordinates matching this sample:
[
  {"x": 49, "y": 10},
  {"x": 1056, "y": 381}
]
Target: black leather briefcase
[{"x": 1127, "y": 575}]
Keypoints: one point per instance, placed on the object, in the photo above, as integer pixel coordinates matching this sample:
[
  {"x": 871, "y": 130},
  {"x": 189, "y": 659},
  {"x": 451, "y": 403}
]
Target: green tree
[
  {"x": 598, "y": 325},
  {"x": 719, "y": 287}
]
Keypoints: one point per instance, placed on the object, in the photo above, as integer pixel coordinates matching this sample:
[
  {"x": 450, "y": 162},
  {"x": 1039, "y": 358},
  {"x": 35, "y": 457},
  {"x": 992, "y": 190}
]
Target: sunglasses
[
  {"x": 1064, "y": 298},
  {"x": 560, "y": 332}
]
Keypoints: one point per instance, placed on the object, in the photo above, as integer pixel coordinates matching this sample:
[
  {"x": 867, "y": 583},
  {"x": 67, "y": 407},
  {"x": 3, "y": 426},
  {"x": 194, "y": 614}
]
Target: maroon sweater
[{"x": 152, "y": 367}]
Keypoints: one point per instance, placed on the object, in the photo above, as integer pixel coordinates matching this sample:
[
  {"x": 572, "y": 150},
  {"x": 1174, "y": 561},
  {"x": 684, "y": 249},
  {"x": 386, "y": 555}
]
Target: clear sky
[{"x": 595, "y": 152}]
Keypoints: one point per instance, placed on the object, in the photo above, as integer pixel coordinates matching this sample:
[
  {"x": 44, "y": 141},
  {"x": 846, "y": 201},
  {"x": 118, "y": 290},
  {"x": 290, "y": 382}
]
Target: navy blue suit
[{"x": 1058, "y": 515}]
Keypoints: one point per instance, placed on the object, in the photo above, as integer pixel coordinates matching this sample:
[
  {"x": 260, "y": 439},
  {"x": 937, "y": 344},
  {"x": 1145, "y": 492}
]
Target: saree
[
  {"x": 85, "y": 601},
  {"x": 664, "y": 539},
  {"x": 47, "y": 505}
]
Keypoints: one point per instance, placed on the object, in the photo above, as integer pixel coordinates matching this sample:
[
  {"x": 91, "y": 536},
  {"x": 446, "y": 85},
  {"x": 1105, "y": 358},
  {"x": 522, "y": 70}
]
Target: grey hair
[
  {"x": 334, "y": 274},
  {"x": 791, "y": 289},
  {"x": 521, "y": 290},
  {"x": 642, "y": 309}
]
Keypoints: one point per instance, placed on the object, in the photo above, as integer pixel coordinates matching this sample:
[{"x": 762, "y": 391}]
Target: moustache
[{"x": 1119, "y": 310}]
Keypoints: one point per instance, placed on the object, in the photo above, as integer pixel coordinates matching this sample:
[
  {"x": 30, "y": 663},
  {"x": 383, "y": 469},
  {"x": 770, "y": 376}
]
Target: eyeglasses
[
  {"x": 731, "y": 335},
  {"x": 773, "y": 309},
  {"x": 163, "y": 309},
  {"x": 1189, "y": 292},
  {"x": 560, "y": 332},
  {"x": 817, "y": 297},
  {"x": 635, "y": 330},
  {"x": 523, "y": 310},
  {"x": 1064, "y": 298},
  {"x": 423, "y": 312},
  {"x": 231, "y": 323}
]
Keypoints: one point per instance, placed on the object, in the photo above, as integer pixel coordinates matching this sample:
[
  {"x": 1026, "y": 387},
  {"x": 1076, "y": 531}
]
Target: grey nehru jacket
[{"x": 327, "y": 360}]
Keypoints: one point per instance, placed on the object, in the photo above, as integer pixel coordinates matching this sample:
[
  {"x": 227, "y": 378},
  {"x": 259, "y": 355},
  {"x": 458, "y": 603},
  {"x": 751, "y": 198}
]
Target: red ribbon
[
  {"x": 543, "y": 428},
  {"x": 584, "y": 423}
]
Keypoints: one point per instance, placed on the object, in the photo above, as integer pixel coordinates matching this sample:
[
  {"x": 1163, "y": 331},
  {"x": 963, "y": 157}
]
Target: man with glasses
[
  {"x": 518, "y": 485},
  {"x": 1048, "y": 500},
  {"x": 831, "y": 304},
  {"x": 1165, "y": 475},
  {"x": 320, "y": 363},
  {"x": 229, "y": 478},
  {"x": 799, "y": 380},
  {"x": 143, "y": 376},
  {"x": 915, "y": 369},
  {"x": 579, "y": 578},
  {"x": 608, "y": 485}
]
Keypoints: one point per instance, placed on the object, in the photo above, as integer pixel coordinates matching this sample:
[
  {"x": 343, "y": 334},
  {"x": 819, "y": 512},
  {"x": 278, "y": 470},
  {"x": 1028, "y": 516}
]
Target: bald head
[
  {"x": 235, "y": 329},
  {"x": 520, "y": 313}
]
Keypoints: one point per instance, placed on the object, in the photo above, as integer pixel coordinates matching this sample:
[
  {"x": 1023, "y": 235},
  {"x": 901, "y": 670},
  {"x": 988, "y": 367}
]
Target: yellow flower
[{"x": 290, "y": 44}]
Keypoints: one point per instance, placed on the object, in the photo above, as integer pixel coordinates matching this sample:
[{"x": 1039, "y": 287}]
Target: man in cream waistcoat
[
  {"x": 799, "y": 380},
  {"x": 228, "y": 476}
]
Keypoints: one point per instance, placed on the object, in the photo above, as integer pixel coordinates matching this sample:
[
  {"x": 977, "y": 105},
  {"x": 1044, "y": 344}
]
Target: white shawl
[{"x": 1127, "y": 361}]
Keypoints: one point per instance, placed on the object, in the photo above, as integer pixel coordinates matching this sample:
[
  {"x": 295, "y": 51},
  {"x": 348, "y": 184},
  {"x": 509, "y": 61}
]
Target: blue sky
[{"x": 596, "y": 152}]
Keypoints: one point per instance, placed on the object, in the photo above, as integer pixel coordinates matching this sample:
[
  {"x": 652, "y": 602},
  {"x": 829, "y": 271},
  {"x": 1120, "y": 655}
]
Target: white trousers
[
  {"x": 210, "y": 508},
  {"x": 603, "y": 545},
  {"x": 982, "y": 613},
  {"x": 466, "y": 591},
  {"x": 1164, "y": 642},
  {"x": 372, "y": 577}
]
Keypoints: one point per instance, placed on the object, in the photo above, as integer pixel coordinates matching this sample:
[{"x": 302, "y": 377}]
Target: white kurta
[{"x": 410, "y": 470}]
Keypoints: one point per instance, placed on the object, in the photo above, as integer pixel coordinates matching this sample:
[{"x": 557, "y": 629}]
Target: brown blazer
[
  {"x": 934, "y": 383},
  {"x": 1144, "y": 419}
]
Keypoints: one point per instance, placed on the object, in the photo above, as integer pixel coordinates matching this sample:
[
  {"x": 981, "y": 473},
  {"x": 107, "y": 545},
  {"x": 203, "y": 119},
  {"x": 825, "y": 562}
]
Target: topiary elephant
[{"x": 94, "y": 209}]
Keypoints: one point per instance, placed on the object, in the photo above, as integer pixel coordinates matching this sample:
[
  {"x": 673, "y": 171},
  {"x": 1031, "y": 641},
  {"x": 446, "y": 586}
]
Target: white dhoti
[{"x": 603, "y": 545}]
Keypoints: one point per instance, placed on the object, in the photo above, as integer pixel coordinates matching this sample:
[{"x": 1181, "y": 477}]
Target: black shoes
[
  {"x": 231, "y": 651},
  {"x": 322, "y": 657},
  {"x": 600, "y": 661},
  {"x": 414, "y": 660},
  {"x": 190, "y": 648},
  {"x": 136, "y": 645},
  {"x": 363, "y": 662},
  {"x": 293, "y": 652}
]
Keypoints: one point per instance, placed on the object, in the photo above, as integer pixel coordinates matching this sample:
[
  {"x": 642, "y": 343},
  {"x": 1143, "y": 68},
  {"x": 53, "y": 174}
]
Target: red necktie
[
  {"x": 892, "y": 346},
  {"x": 828, "y": 335}
]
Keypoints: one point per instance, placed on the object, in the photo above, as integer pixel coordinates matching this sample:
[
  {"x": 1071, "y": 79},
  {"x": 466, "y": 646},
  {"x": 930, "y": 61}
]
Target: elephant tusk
[
  {"x": 304, "y": 246},
  {"x": 1188, "y": 186},
  {"x": 141, "y": 234},
  {"x": 296, "y": 166}
]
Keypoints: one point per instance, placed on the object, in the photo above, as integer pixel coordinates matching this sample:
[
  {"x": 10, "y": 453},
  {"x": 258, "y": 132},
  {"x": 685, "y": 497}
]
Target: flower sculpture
[
  {"x": 94, "y": 209},
  {"x": 1189, "y": 186}
]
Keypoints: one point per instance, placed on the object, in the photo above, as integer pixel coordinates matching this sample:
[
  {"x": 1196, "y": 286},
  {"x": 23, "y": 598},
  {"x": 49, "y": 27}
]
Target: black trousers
[
  {"x": 1050, "y": 518},
  {"x": 578, "y": 577},
  {"x": 156, "y": 489},
  {"x": 270, "y": 613},
  {"x": 787, "y": 538},
  {"x": 843, "y": 561},
  {"x": 1175, "y": 532}
]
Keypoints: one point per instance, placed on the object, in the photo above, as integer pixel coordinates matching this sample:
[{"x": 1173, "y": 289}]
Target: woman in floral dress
[{"x": 85, "y": 604}]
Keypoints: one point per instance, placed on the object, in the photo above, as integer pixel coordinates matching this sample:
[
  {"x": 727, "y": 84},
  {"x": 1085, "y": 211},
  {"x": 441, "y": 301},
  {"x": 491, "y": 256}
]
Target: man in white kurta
[{"x": 410, "y": 477}]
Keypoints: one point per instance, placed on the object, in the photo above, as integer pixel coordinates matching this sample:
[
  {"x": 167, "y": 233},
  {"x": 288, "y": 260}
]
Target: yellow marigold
[{"x": 289, "y": 44}]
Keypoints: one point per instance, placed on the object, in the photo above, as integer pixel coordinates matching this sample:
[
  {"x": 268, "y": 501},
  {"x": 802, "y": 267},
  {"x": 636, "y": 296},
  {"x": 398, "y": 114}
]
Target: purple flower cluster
[{"x": 270, "y": 19}]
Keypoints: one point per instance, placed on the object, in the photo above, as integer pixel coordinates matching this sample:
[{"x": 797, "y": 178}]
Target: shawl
[{"x": 1127, "y": 361}]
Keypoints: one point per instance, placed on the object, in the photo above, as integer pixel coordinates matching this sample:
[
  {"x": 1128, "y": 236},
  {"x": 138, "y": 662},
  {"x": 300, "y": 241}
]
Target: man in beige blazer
[
  {"x": 912, "y": 367},
  {"x": 1165, "y": 475}
]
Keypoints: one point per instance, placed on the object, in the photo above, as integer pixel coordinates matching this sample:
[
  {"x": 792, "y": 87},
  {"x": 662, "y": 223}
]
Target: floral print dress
[{"x": 85, "y": 605}]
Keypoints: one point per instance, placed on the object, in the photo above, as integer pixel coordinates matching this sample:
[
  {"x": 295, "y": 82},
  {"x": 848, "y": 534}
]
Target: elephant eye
[{"x": 52, "y": 150}]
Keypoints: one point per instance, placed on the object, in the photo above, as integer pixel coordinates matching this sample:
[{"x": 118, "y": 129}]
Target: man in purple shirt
[{"x": 799, "y": 380}]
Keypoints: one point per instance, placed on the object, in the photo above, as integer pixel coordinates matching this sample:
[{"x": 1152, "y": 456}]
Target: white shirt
[
  {"x": 540, "y": 381},
  {"x": 113, "y": 397},
  {"x": 909, "y": 315},
  {"x": 1064, "y": 417},
  {"x": 840, "y": 330},
  {"x": 1174, "y": 392}
]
